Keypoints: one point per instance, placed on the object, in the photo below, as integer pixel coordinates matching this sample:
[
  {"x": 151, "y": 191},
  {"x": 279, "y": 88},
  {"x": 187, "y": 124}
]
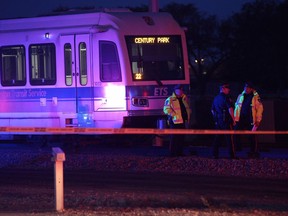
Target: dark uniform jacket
[{"x": 220, "y": 109}]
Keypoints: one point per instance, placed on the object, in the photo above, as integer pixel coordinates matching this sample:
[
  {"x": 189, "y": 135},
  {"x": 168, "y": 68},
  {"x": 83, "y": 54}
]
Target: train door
[{"x": 77, "y": 71}]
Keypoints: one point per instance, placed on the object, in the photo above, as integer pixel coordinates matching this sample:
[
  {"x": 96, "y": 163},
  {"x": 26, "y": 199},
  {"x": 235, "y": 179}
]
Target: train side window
[
  {"x": 83, "y": 63},
  {"x": 13, "y": 66},
  {"x": 68, "y": 64},
  {"x": 42, "y": 64},
  {"x": 109, "y": 62}
]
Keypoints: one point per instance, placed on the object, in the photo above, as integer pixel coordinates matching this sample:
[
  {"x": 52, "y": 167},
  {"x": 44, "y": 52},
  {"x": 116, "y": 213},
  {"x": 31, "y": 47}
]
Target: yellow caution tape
[{"x": 72, "y": 130}]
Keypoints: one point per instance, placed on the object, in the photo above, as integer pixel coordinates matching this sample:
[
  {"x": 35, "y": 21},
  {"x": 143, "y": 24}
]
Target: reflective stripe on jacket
[
  {"x": 256, "y": 106},
  {"x": 173, "y": 109}
]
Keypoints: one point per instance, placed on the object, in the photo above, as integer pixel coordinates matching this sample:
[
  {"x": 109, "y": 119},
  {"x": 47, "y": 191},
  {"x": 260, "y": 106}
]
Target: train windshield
[{"x": 156, "y": 58}]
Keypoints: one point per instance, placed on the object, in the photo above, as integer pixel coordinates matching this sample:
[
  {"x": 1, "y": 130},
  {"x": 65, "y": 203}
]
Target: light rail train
[{"x": 103, "y": 69}]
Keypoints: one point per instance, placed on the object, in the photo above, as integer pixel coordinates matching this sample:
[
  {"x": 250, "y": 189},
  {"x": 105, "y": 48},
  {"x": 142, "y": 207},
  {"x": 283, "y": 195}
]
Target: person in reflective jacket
[
  {"x": 177, "y": 108},
  {"x": 248, "y": 116},
  {"x": 223, "y": 115}
]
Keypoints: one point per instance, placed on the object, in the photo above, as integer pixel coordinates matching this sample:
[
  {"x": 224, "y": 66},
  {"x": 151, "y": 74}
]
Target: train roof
[{"x": 96, "y": 21}]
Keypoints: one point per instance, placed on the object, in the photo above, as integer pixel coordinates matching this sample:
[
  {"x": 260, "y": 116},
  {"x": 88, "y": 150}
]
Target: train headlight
[{"x": 140, "y": 102}]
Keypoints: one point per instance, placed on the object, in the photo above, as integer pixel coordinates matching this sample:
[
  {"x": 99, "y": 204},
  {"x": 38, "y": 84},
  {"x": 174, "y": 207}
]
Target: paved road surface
[{"x": 89, "y": 188}]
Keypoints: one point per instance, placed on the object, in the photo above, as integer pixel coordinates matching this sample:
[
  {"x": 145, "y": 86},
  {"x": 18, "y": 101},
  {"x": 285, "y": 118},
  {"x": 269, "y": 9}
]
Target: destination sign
[{"x": 152, "y": 40}]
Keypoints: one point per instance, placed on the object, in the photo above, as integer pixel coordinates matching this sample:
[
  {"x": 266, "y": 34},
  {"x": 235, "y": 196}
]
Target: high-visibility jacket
[
  {"x": 256, "y": 106},
  {"x": 173, "y": 109}
]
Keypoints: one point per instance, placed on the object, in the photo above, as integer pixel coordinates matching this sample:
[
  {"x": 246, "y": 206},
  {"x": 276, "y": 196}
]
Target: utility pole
[{"x": 154, "y": 6}]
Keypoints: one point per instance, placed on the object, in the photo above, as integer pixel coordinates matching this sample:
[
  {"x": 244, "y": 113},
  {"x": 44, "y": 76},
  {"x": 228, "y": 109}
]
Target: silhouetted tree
[
  {"x": 258, "y": 50},
  {"x": 202, "y": 37}
]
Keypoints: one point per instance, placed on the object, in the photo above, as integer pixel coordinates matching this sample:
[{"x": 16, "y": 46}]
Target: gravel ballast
[{"x": 147, "y": 159}]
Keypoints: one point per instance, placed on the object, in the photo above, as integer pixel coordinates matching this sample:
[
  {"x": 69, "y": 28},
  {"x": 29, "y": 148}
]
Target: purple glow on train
[{"x": 97, "y": 69}]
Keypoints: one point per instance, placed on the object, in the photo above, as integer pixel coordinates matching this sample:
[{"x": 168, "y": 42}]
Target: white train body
[{"x": 99, "y": 69}]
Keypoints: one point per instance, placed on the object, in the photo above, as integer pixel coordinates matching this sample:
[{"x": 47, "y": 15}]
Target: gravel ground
[
  {"x": 147, "y": 160},
  {"x": 150, "y": 159}
]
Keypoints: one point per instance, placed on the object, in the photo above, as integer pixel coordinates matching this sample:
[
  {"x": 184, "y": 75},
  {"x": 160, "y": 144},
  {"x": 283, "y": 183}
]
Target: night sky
[{"x": 28, "y": 8}]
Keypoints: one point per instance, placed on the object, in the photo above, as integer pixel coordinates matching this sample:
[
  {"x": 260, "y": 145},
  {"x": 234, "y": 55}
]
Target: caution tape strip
[{"x": 72, "y": 130}]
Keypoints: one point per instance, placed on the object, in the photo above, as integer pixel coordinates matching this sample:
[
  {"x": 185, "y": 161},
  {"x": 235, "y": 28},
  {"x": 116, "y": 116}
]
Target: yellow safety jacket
[
  {"x": 173, "y": 109},
  {"x": 256, "y": 106}
]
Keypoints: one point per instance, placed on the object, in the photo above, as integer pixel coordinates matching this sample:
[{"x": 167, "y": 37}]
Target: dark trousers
[
  {"x": 176, "y": 140},
  {"x": 245, "y": 125},
  {"x": 220, "y": 125}
]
